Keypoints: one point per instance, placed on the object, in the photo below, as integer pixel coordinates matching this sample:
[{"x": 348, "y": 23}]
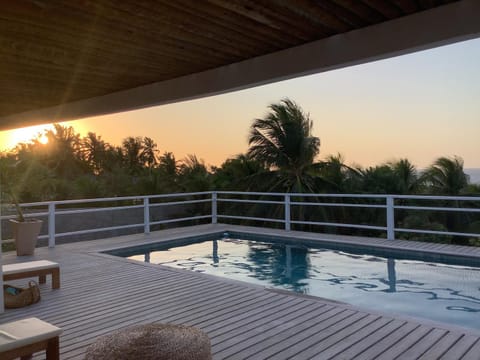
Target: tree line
[{"x": 283, "y": 156}]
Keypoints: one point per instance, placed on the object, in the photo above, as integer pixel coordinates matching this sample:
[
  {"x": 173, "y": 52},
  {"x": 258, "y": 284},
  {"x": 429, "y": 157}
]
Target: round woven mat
[{"x": 152, "y": 341}]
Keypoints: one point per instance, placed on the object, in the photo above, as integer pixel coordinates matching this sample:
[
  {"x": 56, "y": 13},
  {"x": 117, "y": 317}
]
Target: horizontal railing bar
[
  {"x": 89, "y": 231},
  {"x": 436, "y": 208},
  {"x": 181, "y": 219},
  {"x": 118, "y": 198},
  {"x": 88, "y": 210},
  {"x": 250, "y": 193},
  {"x": 339, "y": 205},
  {"x": 437, "y": 197},
  {"x": 28, "y": 215},
  {"x": 437, "y": 232},
  {"x": 198, "y": 193},
  {"x": 250, "y": 218},
  {"x": 340, "y": 225},
  {"x": 366, "y": 196},
  {"x": 180, "y": 202},
  {"x": 80, "y": 211},
  {"x": 81, "y": 201},
  {"x": 251, "y": 201}
]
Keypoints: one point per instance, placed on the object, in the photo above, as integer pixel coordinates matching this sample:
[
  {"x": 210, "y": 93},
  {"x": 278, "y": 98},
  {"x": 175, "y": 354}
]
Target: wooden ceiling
[{"x": 54, "y": 52}]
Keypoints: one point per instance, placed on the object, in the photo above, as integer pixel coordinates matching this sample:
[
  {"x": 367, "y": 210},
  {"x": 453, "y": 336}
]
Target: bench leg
[
  {"x": 53, "y": 349},
  {"x": 56, "y": 279},
  {"x": 42, "y": 279}
]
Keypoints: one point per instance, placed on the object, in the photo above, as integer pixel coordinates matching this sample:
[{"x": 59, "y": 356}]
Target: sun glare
[
  {"x": 10, "y": 138},
  {"x": 24, "y": 135}
]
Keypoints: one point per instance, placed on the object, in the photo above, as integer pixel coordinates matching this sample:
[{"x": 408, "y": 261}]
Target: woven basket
[{"x": 24, "y": 296}]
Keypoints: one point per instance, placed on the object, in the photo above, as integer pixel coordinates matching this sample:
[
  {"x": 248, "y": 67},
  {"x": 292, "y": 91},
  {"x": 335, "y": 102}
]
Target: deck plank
[
  {"x": 473, "y": 351},
  {"x": 421, "y": 347},
  {"x": 460, "y": 348},
  {"x": 441, "y": 348},
  {"x": 344, "y": 336},
  {"x": 394, "y": 349},
  {"x": 335, "y": 346},
  {"x": 372, "y": 342},
  {"x": 296, "y": 343},
  {"x": 271, "y": 335}
]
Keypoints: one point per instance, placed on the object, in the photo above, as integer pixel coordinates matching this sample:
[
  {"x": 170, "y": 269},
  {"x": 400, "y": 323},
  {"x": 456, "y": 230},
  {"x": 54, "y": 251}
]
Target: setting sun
[{"x": 43, "y": 139}]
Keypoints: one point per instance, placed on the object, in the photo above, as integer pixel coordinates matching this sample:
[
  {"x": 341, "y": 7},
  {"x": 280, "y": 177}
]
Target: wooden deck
[{"x": 101, "y": 293}]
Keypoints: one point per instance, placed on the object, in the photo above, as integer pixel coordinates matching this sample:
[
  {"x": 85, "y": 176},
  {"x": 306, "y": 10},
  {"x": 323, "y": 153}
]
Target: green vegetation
[{"x": 282, "y": 157}]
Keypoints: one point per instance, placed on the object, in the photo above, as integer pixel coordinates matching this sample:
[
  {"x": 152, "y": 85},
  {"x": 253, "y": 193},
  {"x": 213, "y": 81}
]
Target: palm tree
[
  {"x": 446, "y": 176},
  {"x": 193, "y": 175},
  {"x": 132, "y": 154},
  {"x": 93, "y": 150},
  {"x": 283, "y": 142},
  {"x": 337, "y": 176},
  {"x": 149, "y": 152},
  {"x": 239, "y": 173},
  {"x": 406, "y": 175},
  {"x": 62, "y": 153},
  {"x": 168, "y": 164},
  {"x": 167, "y": 171}
]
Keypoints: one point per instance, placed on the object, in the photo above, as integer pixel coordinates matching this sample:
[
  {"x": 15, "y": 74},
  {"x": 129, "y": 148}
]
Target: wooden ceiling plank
[
  {"x": 104, "y": 80},
  {"x": 295, "y": 14},
  {"x": 175, "y": 20},
  {"x": 350, "y": 12},
  {"x": 343, "y": 13},
  {"x": 78, "y": 27},
  {"x": 34, "y": 53},
  {"x": 311, "y": 11},
  {"x": 111, "y": 27},
  {"x": 407, "y": 6},
  {"x": 240, "y": 25},
  {"x": 60, "y": 83},
  {"x": 271, "y": 18},
  {"x": 387, "y": 8},
  {"x": 71, "y": 42},
  {"x": 427, "y": 4},
  {"x": 157, "y": 26}
]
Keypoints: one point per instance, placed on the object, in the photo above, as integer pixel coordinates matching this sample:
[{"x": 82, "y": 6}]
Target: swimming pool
[{"x": 398, "y": 285}]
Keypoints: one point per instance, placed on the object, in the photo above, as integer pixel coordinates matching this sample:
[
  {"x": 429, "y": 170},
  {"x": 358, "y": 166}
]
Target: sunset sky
[{"x": 419, "y": 106}]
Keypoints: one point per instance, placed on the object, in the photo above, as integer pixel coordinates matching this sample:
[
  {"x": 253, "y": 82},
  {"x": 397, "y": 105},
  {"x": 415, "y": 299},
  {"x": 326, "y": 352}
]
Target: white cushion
[
  {"x": 19, "y": 333},
  {"x": 28, "y": 266}
]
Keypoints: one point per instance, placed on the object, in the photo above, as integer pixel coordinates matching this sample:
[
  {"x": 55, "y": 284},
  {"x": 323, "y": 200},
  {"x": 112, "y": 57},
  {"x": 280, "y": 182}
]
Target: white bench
[
  {"x": 24, "y": 337},
  {"x": 40, "y": 268}
]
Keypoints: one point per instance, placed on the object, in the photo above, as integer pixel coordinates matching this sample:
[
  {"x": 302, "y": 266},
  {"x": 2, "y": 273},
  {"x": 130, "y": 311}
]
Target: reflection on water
[{"x": 447, "y": 293}]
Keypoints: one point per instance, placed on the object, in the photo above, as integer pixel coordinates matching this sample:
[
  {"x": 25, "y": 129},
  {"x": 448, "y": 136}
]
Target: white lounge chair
[
  {"x": 40, "y": 268},
  {"x": 24, "y": 337}
]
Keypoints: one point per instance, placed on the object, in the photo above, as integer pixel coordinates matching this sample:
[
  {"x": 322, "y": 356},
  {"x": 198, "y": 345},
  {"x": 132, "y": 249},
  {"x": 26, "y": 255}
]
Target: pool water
[{"x": 436, "y": 291}]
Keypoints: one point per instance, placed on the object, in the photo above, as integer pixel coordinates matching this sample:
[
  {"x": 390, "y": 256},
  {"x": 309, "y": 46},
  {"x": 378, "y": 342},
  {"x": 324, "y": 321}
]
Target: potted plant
[{"x": 25, "y": 231}]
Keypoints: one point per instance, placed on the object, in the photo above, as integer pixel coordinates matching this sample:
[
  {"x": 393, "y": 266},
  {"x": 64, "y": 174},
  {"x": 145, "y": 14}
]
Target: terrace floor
[{"x": 101, "y": 293}]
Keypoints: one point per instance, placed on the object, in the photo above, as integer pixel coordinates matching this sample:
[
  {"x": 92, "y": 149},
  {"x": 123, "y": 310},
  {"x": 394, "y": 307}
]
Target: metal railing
[{"x": 389, "y": 205}]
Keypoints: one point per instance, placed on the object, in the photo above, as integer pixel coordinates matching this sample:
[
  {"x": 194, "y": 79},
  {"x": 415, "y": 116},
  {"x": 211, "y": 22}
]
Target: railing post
[
  {"x": 390, "y": 218},
  {"x": 146, "y": 215},
  {"x": 51, "y": 225},
  {"x": 214, "y": 207},
  {"x": 287, "y": 212}
]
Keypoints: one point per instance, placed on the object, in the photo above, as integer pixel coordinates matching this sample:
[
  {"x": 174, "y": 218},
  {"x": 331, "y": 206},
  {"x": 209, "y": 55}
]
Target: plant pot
[{"x": 25, "y": 234}]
